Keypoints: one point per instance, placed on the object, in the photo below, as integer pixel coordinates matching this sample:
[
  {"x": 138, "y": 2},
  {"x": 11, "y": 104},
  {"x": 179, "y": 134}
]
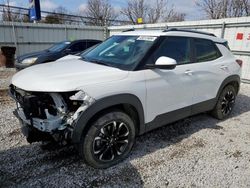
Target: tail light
[{"x": 240, "y": 62}]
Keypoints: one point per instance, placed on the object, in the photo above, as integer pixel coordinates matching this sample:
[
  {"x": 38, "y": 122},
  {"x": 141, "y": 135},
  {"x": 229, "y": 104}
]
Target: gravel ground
[
  {"x": 197, "y": 152},
  {"x": 5, "y": 77}
]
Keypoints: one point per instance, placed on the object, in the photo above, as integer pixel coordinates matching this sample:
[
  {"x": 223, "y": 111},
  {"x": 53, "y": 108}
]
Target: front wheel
[
  {"x": 225, "y": 103},
  {"x": 109, "y": 140}
]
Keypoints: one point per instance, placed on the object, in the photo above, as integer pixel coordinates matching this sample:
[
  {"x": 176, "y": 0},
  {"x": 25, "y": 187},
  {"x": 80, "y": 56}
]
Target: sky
[{"x": 185, "y": 6}]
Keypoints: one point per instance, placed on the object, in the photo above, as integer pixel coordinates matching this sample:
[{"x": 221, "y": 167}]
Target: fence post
[
  {"x": 14, "y": 37},
  {"x": 223, "y": 27},
  {"x": 105, "y": 29},
  {"x": 66, "y": 34}
]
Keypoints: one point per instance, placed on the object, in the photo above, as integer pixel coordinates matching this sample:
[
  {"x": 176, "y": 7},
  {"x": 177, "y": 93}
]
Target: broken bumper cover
[
  {"x": 44, "y": 125},
  {"x": 32, "y": 134}
]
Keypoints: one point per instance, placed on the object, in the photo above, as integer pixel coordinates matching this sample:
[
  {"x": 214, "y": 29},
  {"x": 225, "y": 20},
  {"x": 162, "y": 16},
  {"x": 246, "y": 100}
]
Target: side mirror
[{"x": 163, "y": 63}]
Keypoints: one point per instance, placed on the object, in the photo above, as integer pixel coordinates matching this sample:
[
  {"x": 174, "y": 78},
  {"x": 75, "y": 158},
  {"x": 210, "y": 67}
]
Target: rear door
[{"x": 209, "y": 70}]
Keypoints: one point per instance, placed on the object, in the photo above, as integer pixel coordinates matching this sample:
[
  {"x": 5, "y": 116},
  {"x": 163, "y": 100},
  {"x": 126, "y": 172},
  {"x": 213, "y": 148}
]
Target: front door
[{"x": 170, "y": 92}]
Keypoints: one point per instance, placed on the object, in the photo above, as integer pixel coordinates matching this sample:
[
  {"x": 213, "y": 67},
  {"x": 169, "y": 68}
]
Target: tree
[
  {"x": 136, "y": 9},
  {"x": 151, "y": 11},
  {"x": 216, "y": 9},
  {"x": 100, "y": 12},
  {"x": 9, "y": 14},
  {"x": 175, "y": 17},
  {"x": 58, "y": 16},
  {"x": 62, "y": 15},
  {"x": 52, "y": 19}
]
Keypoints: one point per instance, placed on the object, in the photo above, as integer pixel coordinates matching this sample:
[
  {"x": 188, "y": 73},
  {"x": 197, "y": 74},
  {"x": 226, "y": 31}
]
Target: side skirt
[{"x": 179, "y": 114}]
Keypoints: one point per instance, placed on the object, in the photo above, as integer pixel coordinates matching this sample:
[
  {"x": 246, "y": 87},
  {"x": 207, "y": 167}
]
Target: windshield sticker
[
  {"x": 146, "y": 38},
  {"x": 126, "y": 48},
  {"x": 131, "y": 40}
]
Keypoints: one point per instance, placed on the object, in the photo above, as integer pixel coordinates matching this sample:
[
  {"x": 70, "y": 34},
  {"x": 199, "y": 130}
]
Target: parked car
[
  {"x": 55, "y": 52},
  {"x": 132, "y": 83},
  {"x": 78, "y": 55}
]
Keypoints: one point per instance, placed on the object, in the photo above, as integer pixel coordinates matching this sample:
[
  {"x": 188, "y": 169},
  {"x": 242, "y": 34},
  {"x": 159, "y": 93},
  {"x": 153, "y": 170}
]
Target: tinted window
[
  {"x": 59, "y": 46},
  {"x": 78, "y": 47},
  {"x": 124, "y": 52},
  {"x": 205, "y": 50},
  {"x": 177, "y": 48},
  {"x": 92, "y": 43}
]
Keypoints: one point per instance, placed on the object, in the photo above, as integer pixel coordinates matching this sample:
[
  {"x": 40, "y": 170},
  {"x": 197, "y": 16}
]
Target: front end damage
[{"x": 49, "y": 116}]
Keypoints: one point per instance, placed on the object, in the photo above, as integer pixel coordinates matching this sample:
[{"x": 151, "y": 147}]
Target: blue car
[{"x": 55, "y": 52}]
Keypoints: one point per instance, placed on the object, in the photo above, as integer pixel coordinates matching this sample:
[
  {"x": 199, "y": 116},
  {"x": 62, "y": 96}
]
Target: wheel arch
[
  {"x": 231, "y": 80},
  {"x": 128, "y": 103}
]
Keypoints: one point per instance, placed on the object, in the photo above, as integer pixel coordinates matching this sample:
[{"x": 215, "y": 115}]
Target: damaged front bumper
[{"x": 49, "y": 116}]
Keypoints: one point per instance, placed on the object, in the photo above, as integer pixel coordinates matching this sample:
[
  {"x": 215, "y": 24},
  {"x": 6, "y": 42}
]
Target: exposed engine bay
[{"x": 49, "y": 116}]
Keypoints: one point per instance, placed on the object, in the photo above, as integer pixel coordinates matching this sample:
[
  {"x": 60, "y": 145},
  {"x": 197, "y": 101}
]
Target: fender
[
  {"x": 232, "y": 78},
  {"x": 103, "y": 103}
]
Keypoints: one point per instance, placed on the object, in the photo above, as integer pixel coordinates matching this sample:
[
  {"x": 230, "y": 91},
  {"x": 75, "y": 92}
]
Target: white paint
[{"x": 233, "y": 26}]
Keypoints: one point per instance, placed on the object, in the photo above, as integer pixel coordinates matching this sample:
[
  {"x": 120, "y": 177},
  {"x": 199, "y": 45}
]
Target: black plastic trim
[
  {"x": 167, "y": 118},
  {"x": 106, "y": 103},
  {"x": 189, "y": 31},
  {"x": 179, "y": 114},
  {"x": 232, "y": 78},
  {"x": 132, "y": 29}
]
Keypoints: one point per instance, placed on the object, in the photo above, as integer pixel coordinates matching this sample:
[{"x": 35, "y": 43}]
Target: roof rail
[
  {"x": 132, "y": 29},
  {"x": 188, "y": 30}
]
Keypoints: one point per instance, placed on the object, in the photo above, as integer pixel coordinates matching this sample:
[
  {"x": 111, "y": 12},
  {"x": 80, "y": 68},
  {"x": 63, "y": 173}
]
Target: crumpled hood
[{"x": 65, "y": 75}]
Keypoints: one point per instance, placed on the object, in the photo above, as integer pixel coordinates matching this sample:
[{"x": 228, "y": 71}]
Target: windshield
[
  {"x": 82, "y": 54},
  {"x": 124, "y": 52},
  {"x": 58, "y": 46}
]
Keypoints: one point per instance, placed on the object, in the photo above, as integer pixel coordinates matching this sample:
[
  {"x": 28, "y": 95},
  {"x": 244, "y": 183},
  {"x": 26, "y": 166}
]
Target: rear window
[{"x": 205, "y": 50}]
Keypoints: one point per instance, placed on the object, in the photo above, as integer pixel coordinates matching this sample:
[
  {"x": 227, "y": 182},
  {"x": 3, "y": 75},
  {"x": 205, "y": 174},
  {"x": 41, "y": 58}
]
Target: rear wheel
[
  {"x": 225, "y": 103},
  {"x": 109, "y": 140}
]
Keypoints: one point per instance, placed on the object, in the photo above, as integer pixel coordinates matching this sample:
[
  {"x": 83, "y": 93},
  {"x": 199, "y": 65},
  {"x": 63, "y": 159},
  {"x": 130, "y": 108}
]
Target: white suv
[{"x": 132, "y": 83}]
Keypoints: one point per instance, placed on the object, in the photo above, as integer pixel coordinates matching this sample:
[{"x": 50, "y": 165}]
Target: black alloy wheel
[
  {"x": 225, "y": 103},
  {"x": 109, "y": 140}
]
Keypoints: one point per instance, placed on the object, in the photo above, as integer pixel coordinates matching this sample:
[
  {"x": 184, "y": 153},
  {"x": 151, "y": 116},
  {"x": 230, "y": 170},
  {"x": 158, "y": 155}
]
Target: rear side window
[
  {"x": 91, "y": 43},
  {"x": 78, "y": 47},
  {"x": 205, "y": 50},
  {"x": 177, "y": 48}
]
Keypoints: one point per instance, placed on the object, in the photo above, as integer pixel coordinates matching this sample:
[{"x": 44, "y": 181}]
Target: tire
[
  {"x": 225, "y": 103},
  {"x": 108, "y": 141}
]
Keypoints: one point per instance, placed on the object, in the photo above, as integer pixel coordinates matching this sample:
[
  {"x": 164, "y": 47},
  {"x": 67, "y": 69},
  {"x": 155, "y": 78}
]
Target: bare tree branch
[
  {"x": 150, "y": 11},
  {"x": 216, "y": 9},
  {"x": 101, "y": 12},
  {"x": 135, "y": 9},
  {"x": 156, "y": 11}
]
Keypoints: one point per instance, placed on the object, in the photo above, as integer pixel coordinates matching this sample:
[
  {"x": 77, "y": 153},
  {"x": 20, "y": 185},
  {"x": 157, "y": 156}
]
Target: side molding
[{"x": 103, "y": 104}]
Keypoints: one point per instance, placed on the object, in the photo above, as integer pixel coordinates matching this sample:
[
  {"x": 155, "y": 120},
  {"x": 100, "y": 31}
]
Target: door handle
[
  {"x": 223, "y": 67},
  {"x": 189, "y": 72}
]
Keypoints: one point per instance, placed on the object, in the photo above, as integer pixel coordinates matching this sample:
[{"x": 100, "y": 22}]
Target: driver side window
[{"x": 177, "y": 48}]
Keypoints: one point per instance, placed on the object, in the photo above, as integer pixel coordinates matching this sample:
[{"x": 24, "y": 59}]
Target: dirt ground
[{"x": 197, "y": 152}]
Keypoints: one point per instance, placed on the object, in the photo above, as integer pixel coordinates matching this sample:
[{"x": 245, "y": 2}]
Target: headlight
[
  {"x": 82, "y": 96},
  {"x": 29, "y": 61}
]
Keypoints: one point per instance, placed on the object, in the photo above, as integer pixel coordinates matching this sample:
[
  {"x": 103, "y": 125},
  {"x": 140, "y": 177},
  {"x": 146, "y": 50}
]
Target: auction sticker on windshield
[{"x": 147, "y": 38}]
